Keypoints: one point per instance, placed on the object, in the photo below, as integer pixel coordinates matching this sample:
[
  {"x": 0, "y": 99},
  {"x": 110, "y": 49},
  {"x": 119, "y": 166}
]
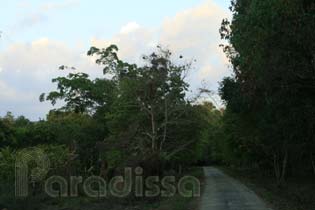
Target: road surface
[{"x": 222, "y": 192}]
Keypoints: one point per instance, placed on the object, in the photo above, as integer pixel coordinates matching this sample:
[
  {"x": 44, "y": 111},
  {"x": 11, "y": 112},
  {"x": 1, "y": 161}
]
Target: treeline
[
  {"x": 132, "y": 116},
  {"x": 270, "y": 99}
]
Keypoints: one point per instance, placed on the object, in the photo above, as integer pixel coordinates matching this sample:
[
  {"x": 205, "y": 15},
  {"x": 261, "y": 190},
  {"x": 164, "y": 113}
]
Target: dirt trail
[{"x": 225, "y": 193}]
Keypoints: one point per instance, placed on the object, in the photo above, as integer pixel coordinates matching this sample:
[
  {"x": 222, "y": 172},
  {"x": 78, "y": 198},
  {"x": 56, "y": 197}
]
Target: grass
[
  {"x": 297, "y": 194},
  {"x": 176, "y": 202},
  {"x": 181, "y": 203}
]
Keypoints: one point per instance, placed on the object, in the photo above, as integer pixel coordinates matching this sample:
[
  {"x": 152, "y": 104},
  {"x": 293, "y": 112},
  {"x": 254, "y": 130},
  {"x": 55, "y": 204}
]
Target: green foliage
[
  {"x": 271, "y": 95},
  {"x": 114, "y": 158},
  {"x": 149, "y": 104},
  {"x": 208, "y": 148},
  {"x": 7, "y": 137},
  {"x": 58, "y": 155},
  {"x": 81, "y": 94},
  {"x": 7, "y": 161}
]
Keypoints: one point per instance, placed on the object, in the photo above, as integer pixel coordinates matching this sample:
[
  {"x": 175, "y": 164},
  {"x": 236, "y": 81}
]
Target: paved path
[{"x": 222, "y": 192}]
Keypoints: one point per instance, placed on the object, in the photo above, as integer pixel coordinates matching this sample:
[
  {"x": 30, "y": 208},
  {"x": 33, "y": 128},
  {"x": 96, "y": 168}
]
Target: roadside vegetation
[{"x": 296, "y": 194}]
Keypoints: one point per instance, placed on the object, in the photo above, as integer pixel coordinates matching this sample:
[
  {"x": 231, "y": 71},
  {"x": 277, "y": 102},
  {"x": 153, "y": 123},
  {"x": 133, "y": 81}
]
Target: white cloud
[
  {"x": 130, "y": 27},
  {"x": 193, "y": 33},
  {"x": 6, "y": 92},
  {"x": 27, "y": 68},
  {"x": 133, "y": 40},
  {"x": 41, "y": 58}
]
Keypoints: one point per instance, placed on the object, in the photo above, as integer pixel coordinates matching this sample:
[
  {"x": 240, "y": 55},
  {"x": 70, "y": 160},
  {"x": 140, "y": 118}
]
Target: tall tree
[
  {"x": 150, "y": 103},
  {"x": 273, "y": 85}
]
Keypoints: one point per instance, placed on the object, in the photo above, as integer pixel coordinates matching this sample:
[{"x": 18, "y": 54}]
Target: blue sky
[
  {"x": 39, "y": 35},
  {"x": 74, "y": 20}
]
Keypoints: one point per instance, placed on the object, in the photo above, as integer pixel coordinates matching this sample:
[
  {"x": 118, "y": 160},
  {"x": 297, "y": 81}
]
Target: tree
[
  {"x": 273, "y": 83},
  {"x": 149, "y": 105},
  {"x": 81, "y": 94}
]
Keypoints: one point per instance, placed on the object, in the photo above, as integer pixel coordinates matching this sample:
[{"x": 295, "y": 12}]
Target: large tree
[{"x": 150, "y": 103}]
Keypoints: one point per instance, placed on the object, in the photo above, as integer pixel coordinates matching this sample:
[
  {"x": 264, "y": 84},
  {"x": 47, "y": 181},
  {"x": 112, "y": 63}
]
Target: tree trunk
[
  {"x": 153, "y": 130},
  {"x": 284, "y": 167},
  {"x": 180, "y": 169},
  {"x": 280, "y": 167},
  {"x": 276, "y": 166},
  {"x": 103, "y": 169},
  {"x": 165, "y": 124},
  {"x": 313, "y": 162}
]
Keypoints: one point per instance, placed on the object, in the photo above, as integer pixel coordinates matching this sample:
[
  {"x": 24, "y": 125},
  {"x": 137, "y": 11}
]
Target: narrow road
[{"x": 222, "y": 192}]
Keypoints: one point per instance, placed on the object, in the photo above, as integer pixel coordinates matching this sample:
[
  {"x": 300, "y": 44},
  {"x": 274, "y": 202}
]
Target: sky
[{"x": 37, "y": 36}]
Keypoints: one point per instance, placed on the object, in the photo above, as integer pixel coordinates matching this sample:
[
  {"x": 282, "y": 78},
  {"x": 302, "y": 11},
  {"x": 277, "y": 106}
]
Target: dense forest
[
  {"x": 269, "y": 116},
  {"x": 140, "y": 115}
]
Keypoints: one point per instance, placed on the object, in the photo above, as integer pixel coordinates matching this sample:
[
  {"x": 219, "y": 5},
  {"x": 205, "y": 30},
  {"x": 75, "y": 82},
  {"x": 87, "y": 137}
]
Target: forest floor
[{"x": 297, "y": 194}]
